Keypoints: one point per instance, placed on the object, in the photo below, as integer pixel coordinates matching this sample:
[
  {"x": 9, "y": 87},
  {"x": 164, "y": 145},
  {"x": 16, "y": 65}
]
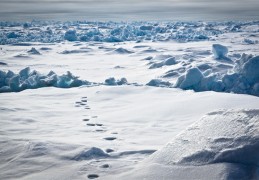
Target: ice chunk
[
  {"x": 10, "y": 82},
  {"x": 12, "y": 35},
  {"x": 24, "y": 73},
  {"x": 34, "y": 51},
  {"x": 219, "y": 51},
  {"x": 158, "y": 83},
  {"x": 146, "y": 28},
  {"x": 190, "y": 80},
  {"x": 70, "y": 35},
  {"x": 113, "y": 82},
  {"x": 251, "y": 70}
]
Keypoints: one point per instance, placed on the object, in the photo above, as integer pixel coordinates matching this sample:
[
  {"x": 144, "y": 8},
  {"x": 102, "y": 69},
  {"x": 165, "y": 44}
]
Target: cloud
[{"x": 129, "y": 9}]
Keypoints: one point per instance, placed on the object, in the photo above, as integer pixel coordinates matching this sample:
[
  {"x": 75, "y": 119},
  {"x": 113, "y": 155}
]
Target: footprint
[
  {"x": 84, "y": 100},
  {"x": 87, "y": 107},
  {"x": 110, "y": 138},
  {"x": 99, "y": 130},
  {"x": 94, "y": 116},
  {"x": 92, "y": 176},
  {"x": 109, "y": 150},
  {"x": 86, "y": 119},
  {"x": 90, "y": 124},
  {"x": 105, "y": 166},
  {"x": 99, "y": 124}
]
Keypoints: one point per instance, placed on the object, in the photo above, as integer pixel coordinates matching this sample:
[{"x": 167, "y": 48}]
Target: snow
[
  {"x": 226, "y": 138},
  {"x": 101, "y": 100}
]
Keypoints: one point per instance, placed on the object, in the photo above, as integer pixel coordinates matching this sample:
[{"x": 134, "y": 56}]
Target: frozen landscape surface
[{"x": 100, "y": 100}]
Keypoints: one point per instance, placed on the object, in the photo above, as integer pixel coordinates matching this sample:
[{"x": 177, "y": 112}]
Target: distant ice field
[{"x": 129, "y": 10}]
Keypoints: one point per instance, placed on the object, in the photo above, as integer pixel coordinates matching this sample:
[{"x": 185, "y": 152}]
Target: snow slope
[
  {"x": 55, "y": 133},
  {"x": 221, "y": 145}
]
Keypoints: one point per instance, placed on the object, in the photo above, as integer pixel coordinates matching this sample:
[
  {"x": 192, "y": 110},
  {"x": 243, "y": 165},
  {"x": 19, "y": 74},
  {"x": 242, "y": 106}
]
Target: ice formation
[
  {"x": 39, "y": 31},
  {"x": 27, "y": 79},
  {"x": 113, "y": 82},
  {"x": 219, "y": 51},
  {"x": 158, "y": 83},
  {"x": 244, "y": 78}
]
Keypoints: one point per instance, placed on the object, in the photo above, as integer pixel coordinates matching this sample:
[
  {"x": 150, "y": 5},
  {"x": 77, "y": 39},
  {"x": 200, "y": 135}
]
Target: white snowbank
[{"x": 222, "y": 145}]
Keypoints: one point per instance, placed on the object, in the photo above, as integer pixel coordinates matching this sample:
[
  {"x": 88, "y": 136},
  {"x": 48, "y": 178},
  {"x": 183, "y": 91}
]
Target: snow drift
[{"x": 222, "y": 145}]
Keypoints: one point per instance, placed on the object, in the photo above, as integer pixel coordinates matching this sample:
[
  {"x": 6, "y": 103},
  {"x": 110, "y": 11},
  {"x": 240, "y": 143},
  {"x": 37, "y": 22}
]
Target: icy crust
[
  {"x": 222, "y": 145},
  {"x": 27, "y": 79},
  {"x": 49, "y": 32},
  {"x": 243, "y": 79}
]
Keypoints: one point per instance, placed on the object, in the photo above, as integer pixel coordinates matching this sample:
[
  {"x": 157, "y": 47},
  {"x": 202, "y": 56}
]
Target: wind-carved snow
[
  {"x": 222, "y": 144},
  {"x": 225, "y": 136}
]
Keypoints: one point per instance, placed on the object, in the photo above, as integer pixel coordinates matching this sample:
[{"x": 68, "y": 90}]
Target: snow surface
[
  {"x": 94, "y": 99},
  {"x": 222, "y": 145}
]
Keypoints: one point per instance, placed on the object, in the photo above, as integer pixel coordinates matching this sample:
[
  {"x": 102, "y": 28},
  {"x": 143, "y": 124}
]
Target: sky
[{"x": 129, "y": 10}]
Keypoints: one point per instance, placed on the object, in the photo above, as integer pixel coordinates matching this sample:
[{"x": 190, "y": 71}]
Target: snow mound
[
  {"x": 219, "y": 51},
  {"x": 167, "y": 62},
  {"x": 27, "y": 79},
  {"x": 92, "y": 153},
  {"x": 122, "y": 51},
  {"x": 222, "y": 145},
  {"x": 219, "y": 137},
  {"x": 158, "y": 83},
  {"x": 34, "y": 51},
  {"x": 75, "y": 51}
]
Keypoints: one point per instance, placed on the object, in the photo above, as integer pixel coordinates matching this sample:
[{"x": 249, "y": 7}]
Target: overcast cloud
[{"x": 129, "y": 10}]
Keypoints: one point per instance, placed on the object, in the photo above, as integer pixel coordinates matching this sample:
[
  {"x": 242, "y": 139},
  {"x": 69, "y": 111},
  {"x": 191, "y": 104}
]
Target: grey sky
[{"x": 129, "y": 10}]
